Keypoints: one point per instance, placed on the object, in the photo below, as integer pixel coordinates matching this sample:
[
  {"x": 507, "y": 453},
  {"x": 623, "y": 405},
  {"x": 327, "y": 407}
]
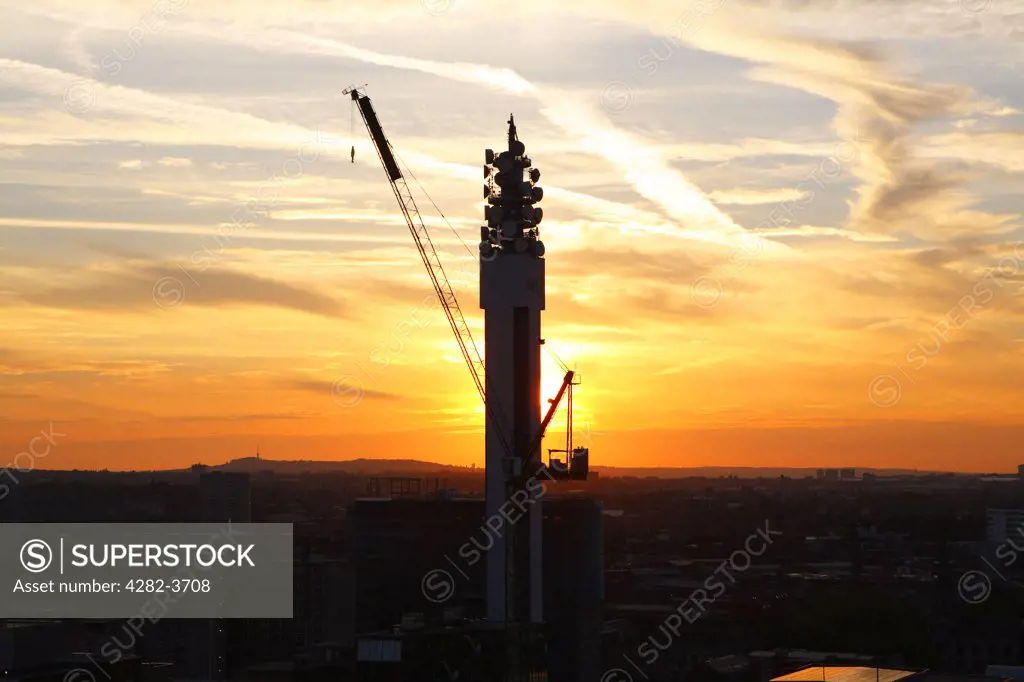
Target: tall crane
[
  {"x": 425, "y": 246},
  {"x": 439, "y": 280}
]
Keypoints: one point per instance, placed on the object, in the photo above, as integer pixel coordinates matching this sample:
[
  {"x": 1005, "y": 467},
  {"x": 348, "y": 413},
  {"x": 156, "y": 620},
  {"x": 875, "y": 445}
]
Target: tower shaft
[{"x": 512, "y": 288}]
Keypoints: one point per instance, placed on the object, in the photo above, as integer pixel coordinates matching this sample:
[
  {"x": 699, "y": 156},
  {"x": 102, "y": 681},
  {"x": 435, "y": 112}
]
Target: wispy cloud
[{"x": 131, "y": 290}]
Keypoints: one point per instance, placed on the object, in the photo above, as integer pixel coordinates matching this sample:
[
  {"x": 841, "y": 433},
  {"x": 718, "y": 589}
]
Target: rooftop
[{"x": 841, "y": 673}]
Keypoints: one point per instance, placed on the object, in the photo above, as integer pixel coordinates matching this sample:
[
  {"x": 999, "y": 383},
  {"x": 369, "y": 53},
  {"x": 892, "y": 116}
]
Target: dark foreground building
[{"x": 419, "y": 584}]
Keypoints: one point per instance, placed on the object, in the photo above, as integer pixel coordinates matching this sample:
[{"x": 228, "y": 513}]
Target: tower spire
[{"x": 512, "y": 137}]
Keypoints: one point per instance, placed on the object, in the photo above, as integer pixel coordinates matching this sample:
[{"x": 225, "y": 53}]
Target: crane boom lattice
[{"x": 428, "y": 253}]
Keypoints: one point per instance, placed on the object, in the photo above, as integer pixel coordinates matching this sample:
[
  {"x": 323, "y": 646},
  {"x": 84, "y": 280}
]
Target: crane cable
[
  {"x": 352, "y": 129},
  {"x": 564, "y": 367},
  {"x": 568, "y": 406},
  {"x": 433, "y": 203}
]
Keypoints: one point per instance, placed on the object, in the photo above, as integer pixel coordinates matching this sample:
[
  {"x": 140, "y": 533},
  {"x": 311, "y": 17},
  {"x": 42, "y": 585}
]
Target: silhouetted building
[
  {"x": 1004, "y": 523},
  {"x": 419, "y": 567},
  {"x": 417, "y": 556},
  {"x": 573, "y": 587},
  {"x": 200, "y": 649},
  {"x": 225, "y": 496}
]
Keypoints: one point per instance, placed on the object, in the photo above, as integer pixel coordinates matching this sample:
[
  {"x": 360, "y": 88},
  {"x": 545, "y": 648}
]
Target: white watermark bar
[{"x": 125, "y": 570}]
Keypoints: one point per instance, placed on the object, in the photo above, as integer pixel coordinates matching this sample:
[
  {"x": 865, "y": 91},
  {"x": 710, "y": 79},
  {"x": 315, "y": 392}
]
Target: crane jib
[
  {"x": 379, "y": 141},
  {"x": 442, "y": 287}
]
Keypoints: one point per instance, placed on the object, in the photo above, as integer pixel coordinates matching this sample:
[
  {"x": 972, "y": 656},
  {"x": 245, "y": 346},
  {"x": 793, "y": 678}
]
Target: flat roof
[{"x": 842, "y": 673}]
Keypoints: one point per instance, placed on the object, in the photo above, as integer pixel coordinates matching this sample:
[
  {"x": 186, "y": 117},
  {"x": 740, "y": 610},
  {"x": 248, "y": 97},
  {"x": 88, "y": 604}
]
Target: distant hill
[
  {"x": 352, "y": 466},
  {"x": 418, "y": 467}
]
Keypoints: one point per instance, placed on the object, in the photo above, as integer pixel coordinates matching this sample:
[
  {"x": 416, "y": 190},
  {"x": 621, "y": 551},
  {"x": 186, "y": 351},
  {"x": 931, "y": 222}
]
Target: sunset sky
[{"x": 779, "y": 232}]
